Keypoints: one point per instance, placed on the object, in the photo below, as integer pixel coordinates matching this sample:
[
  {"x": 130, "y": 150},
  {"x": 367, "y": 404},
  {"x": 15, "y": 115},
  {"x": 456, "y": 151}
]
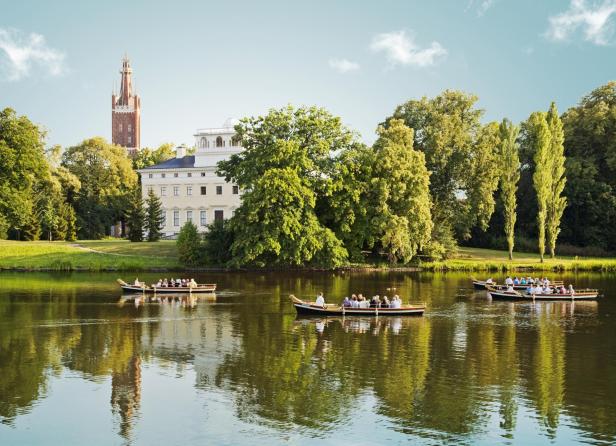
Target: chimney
[{"x": 180, "y": 151}]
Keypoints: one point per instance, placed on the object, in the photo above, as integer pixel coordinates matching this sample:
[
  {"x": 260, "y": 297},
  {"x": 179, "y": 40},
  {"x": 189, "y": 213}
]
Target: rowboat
[
  {"x": 587, "y": 294},
  {"x": 303, "y": 307},
  {"x": 482, "y": 285},
  {"x": 143, "y": 288}
]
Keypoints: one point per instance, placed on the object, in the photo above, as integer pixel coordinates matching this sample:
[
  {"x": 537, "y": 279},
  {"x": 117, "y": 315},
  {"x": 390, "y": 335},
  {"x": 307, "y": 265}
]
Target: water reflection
[{"x": 471, "y": 369}]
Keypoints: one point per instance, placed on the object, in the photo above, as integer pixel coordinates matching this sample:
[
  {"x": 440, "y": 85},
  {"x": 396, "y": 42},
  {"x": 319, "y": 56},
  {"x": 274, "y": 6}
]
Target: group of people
[
  {"x": 536, "y": 285},
  {"x": 546, "y": 289},
  {"x": 359, "y": 301},
  {"x": 174, "y": 283}
]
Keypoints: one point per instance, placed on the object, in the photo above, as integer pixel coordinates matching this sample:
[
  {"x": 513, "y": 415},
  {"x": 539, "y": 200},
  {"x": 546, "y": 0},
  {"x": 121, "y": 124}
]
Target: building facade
[
  {"x": 188, "y": 186},
  {"x": 126, "y": 112}
]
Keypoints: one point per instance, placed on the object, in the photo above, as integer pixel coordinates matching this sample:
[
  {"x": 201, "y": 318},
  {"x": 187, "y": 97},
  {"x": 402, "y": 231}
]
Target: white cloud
[
  {"x": 343, "y": 65},
  {"x": 20, "y": 52},
  {"x": 401, "y": 49},
  {"x": 480, "y": 6},
  {"x": 593, "y": 19}
]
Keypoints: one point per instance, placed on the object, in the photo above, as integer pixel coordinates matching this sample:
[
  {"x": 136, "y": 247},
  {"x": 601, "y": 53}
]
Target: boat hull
[
  {"x": 203, "y": 288},
  {"x": 494, "y": 294},
  {"x": 306, "y": 308}
]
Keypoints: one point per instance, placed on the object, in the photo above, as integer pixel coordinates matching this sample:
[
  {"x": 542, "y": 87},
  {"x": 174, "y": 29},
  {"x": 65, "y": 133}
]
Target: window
[
  {"x": 150, "y": 189},
  {"x": 130, "y": 139},
  {"x": 203, "y": 190},
  {"x": 219, "y": 142},
  {"x": 189, "y": 216},
  {"x": 130, "y": 127},
  {"x": 149, "y": 175},
  {"x": 163, "y": 191},
  {"x": 236, "y": 190},
  {"x": 218, "y": 190},
  {"x": 162, "y": 175},
  {"x": 120, "y": 126},
  {"x": 203, "y": 142},
  {"x": 218, "y": 215},
  {"x": 188, "y": 190},
  {"x": 163, "y": 214},
  {"x": 189, "y": 174},
  {"x": 202, "y": 174},
  {"x": 175, "y": 174},
  {"x": 202, "y": 220},
  {"x": 176, "y": 191},
  {"x": 176, "y": 218}
]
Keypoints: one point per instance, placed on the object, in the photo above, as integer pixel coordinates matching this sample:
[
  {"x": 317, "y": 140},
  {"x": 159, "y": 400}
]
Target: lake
[{"x": 79, "y": 365}]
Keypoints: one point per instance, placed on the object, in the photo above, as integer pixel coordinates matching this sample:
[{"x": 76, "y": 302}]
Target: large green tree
[
  {"x": 590, "y": 148},
  {"x": 400, "y": 198},
  {"x": 459, "y": 153},
  {"x": 509, "y": 176},
  {"x": 106, "y": 177},
  {"x": 542, "y": 176},
  {"x": 556, "y": 201},
  {"x": 154, "y": 217},
  {"x": 135, "y": 216},
  {"x": 286, "y": 167}
]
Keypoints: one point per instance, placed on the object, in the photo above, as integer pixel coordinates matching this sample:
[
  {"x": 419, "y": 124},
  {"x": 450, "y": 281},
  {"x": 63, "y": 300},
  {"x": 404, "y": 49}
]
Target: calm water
[{"x": 80, "y": 366}]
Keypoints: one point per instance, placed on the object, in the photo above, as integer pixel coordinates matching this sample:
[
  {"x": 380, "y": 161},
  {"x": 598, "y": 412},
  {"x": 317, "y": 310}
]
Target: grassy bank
[
  {"x": 476, "y": 259},
  {"x": 113, "y": 255}
]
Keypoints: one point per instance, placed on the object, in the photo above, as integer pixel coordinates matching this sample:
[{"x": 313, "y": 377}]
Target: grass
[
  {"x": 477, "y": 259},
  {"x": 113, "y": 255}
]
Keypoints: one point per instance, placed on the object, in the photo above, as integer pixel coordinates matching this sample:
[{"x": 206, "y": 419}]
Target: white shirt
[
  {"x": 320, "y": 301},
  {"x": 509, "y": 281}
]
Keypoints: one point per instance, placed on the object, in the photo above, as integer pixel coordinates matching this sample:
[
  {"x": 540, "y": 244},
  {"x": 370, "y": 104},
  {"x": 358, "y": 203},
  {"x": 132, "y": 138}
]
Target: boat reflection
[
  {"x": 361, "y": 325},
  {"x": 182, "y": 300}
]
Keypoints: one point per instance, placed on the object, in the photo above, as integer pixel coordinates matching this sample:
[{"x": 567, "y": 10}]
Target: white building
[{"x": 188, "y": 185}]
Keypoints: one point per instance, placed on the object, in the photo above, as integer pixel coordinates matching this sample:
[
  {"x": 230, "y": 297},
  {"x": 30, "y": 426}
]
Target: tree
[
  {"x": 507, "y": 153},
  {"x": 400, "y": 197},
  {"x": 135, "y": 216},
  {"x": 217, "y": 242},
  {"x": 542, "y": 177},
  {"x": 106, "y": 177},
  {"x": 285, "y": 169},
  {"x": 189, "y": 244},
  {"x": 459, "y": 154},
  {"x": 71, "y": 223},
  {"x": 155, "y": 217},
  {"x": 556, "y": 202},
  {"x": 148, "y": 157}
]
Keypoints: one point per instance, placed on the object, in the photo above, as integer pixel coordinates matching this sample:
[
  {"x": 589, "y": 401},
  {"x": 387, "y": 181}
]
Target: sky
[{"x": 197, "y": 63}]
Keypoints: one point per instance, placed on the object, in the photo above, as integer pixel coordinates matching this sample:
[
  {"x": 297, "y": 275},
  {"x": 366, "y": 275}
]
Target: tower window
[
  {"x": 219, "y": 142},
  {"x": 218, "y": 190},
  {"x": 130, "y": 127},
  {"x": 120, "y": 126},
  {"x": 130, "y": 139}
]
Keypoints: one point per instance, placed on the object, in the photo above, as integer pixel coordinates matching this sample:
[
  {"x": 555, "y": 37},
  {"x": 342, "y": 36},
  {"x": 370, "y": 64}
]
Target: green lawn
[
  {"x": 477, "y": 259},
  {"x": 107, "y": 255}
]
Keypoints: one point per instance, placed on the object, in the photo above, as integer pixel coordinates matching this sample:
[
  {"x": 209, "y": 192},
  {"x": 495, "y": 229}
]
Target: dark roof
[{"x": 175, "y": 163}]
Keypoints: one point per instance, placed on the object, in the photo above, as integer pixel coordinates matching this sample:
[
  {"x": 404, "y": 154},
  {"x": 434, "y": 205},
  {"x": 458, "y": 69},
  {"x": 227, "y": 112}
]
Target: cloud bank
[
  {"x": 399, "y": 48},
  {"x": 343, "y": 65},
  {"x": 20, "y": 53}
]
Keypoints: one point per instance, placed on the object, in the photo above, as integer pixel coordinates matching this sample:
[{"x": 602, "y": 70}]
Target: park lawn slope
[
  {"x": 477, "y": 259},
  {"x": 87, "y": 256}
]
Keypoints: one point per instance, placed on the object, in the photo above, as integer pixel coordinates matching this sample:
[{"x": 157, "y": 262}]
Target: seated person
[
  {"x": 320, "y": 300},
  {"x": 346, "y": 303},
  {"x": 516, "y": 281},
  {"x": 385, "y": 302}
]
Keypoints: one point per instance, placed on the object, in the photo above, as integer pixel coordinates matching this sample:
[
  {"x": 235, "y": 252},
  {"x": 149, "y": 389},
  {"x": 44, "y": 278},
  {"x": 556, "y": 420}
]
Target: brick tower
[{"x": 126, "y": 113}]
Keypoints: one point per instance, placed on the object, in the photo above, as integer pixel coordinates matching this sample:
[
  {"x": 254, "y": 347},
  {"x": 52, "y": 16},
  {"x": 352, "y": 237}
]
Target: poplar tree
[
  {"x": 510, "y": 175},
  {"x": 154, "y": 217},
  {"x": 401, "y": 218},
  {"x": 556, "y": 202},
  {"x": 542, "y": 177},
  {"x": 135, "y": 217}
]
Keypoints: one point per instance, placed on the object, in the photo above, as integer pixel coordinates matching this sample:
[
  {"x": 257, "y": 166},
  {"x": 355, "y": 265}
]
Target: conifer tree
[
  {"x": 556, "y": 202},
  {"x": 71, "y": 223},
  {"x": 542, "y": 177},
  {"x": 154, "y": 217},
  {"x": 507, "y": 152},
  {"x": 135, "y": 217},
  {"x": 189, "y": 244}
]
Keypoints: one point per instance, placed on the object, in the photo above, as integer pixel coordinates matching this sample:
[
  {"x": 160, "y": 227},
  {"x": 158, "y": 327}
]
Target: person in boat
[
  {"x": 516, "y": 281},
  {"x": 137, "y": 283},
  {"x": 546, "y": 282},
  {"x": 510, "y": 289},
  {"x": 193, "y": 284},
  {"x": 320, "y": 300},
  {"x": 489, "y": 281},
  {"x": 346, "y": 303},
  {"x": 159, "y": 283},
  {"x": 508, "y": 281},
  {"x": 385, "y": 302},
  {"x": 547, "y": 290},
  {"x": 571, "y": 290},
  {"x": 354, "y": 301},
  {"x": 523, "y": 281},
  {"x": 395, "y": 302}
]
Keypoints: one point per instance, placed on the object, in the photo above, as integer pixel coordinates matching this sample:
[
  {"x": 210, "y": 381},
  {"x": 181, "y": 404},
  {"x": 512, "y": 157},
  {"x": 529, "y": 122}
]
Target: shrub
[{"x": 189, "y": 245}]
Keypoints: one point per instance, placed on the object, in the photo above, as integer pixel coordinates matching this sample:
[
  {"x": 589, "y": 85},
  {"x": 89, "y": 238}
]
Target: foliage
[
  {"x": 135, "y": 216},
  {"x": 106, "y": 177},
  {"x": 148, "y": 157},
  {"x": 400, "y": 198},
  {"x": 189, "y": 244},
  {"x": 542, "y": 176},
  {"x": 154, "y": 217},
  {"x": 217, "y": 242},
  {"x": 507, "y": 153},
  {"x": 459, "y": 155},
  {"x": 556, "y": 202},
  {"x": 287, "y": 166}
]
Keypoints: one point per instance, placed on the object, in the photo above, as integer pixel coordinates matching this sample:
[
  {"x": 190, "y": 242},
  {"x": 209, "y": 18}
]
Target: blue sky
[{"x": 196, "y": 62}]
